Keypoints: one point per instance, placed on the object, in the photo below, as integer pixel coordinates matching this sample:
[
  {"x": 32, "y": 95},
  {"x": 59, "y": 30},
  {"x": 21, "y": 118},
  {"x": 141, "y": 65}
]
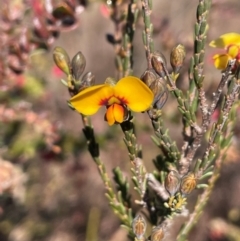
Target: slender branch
[
  {"x": 196, "y": 74},
  {"x": 138, "y": 169},
  {"x": 148, "y": 28},
  {"x": 194, "y": 217},
  {"x": 127, "y": 44},
  {"x": 157, "y": 187},
  {"x": 201, "y": 203},
  {"x": 168, "y": 147},
  {"x": 223, "y": 82},
  {"x": 206, "y": 118},
  {"x": 119, "y": 23},
  {"x": 124, "y": 23},
  {"x": 182, "y": 101},
  {"x": 124, "y": 213},
  {"x": 233, "y": 95}
]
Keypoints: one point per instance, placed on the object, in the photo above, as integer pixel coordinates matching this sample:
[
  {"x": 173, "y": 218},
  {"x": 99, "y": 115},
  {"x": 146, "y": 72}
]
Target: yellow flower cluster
[{"x": 231, "y": 43}]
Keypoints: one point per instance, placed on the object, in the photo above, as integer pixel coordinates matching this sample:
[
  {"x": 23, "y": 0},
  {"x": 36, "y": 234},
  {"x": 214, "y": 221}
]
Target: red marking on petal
[
  {"x": 104, "y": 101},
  {"x": 123, "y": 100},
  {"x": 238, "y": 55},
  {"x": 109, "y": 101}
]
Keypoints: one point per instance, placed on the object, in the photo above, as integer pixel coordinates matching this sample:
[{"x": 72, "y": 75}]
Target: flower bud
[
  {"x": 78, "y": 65},
  {"x": 158, "y": 60},
  {"x": 149, "y": 76},
  {"x": 87, "y": 80},
  {"x": 177, "y": 57},
  {"x": 64, "y": 12},
  {"x": 111, "y": 81},
  {"x": 139, "y": 226},
  {"x": 160, "y": 92},
  {"x": 61, "y": 59},
  {"x": 172, "y": 182},
  {"x": 157, "y": 233},
  {"x": 61, "y": 10},
  {"x": 188, "y": 183}
]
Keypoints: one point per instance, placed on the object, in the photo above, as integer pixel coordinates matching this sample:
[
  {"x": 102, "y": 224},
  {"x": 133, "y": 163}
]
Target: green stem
[
  {"x": 138, "y": 169},
  {"x": 201, "y": 203},
  {"x": 148, "y": 28},
  {"x": 124, "y": 213}
]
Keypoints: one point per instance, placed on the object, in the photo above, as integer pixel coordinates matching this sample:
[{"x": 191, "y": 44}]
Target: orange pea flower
[
  {"x": 129, "y": 92},
  {"x": 231, "y": 43}
]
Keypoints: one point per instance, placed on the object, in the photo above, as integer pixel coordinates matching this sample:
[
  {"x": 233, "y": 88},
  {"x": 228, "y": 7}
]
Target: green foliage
[{"x": 145, "y": 198}]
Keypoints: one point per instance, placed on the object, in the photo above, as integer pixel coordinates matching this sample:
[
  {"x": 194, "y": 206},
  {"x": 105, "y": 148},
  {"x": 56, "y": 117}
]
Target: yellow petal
[
  {"x": 221, "y": 61},
  {"x": 89, "y": 100},
  {"x": 233, "y": 51},
  {"x": 110, "y": 116},
  {"x": 226, "y": 40},
  {"x": 134, "y": 93}
]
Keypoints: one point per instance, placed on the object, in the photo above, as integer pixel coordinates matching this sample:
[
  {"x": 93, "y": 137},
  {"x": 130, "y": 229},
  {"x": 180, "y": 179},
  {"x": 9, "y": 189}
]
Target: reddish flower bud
[
  {"x": 160, "y": 91},
  {"x": 172, "y": 182},
  {"x": 139, "y": 226},
  {"x": 157, "y": 233},
  {"x": 149, "y": 76},
  {"x": 158, "y": 61}
]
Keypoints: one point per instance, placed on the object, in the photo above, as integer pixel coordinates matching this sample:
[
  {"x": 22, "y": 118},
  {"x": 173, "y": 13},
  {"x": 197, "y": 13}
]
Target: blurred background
[{"x": 50, "y": 189}]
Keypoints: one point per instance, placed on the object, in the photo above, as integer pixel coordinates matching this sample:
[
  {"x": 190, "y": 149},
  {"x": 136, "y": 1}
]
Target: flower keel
[{"x": 115, "y": 114}]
